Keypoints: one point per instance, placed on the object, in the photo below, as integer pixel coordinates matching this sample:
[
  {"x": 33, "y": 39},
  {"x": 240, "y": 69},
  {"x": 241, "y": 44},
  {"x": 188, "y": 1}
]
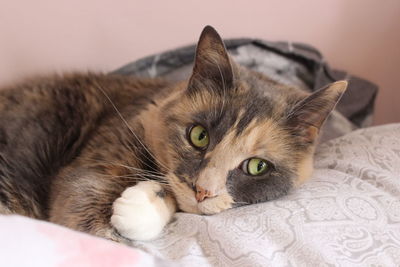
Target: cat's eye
[
  {"x": 198, "y": 136},
  {"x": 255, "y": 166}
]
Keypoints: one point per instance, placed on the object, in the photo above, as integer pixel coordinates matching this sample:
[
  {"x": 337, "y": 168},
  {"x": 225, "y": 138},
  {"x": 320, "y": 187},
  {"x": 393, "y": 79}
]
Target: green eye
[
  {"x": 198, "y": 136},
  {"x": 255, "y": 166}
]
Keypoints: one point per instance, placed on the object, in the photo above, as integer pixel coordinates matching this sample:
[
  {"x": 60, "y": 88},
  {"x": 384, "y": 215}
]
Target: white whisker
[
  {"x": 130, "y": 129},
  {"x": 124, "y": 166}
]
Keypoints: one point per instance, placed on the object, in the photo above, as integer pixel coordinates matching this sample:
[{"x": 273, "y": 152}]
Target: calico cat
[{"x": 116, "y": 156}]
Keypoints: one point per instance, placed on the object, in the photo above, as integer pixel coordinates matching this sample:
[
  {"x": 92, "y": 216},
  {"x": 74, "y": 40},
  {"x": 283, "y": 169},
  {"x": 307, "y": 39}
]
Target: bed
[{"x": 348, "y": 214}]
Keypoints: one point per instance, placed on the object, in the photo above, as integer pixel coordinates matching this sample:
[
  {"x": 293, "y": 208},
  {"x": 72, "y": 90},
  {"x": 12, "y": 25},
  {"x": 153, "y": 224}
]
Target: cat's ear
[
  {"x": 212, "y": 65},
  {"x": 307, "y": 117}
]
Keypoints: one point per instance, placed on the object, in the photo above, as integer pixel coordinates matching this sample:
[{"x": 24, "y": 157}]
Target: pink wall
[{"x": 361, "y": 36}]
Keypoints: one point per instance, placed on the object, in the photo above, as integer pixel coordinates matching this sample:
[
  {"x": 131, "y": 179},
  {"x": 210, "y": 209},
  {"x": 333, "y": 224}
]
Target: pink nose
[{"x": 202, "y": 193}]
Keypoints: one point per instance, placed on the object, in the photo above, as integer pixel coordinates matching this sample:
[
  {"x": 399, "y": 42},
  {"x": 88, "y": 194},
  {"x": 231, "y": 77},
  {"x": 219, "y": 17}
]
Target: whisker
[
  {"x": 137, "y": 175},
  {"x": 129, "y": 128},
  {"x": 129, "y": 146},
  {"x": 242, "y": 202},
  {"x": 140, "y": 178},
  {"x": 159, "y": 178},
  {"x": 123, "y": 165}
]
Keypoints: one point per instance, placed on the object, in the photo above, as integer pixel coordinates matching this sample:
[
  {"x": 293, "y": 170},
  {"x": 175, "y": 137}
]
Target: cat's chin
[
  {"x": 187, "y": 202},
  {"x": 208, "y": 206},
  {"x": 216, "y": 204}
]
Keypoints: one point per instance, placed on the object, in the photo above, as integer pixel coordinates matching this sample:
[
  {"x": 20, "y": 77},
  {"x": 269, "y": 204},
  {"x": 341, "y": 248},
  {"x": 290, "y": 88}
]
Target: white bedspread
[{"x": 348, "y": 214}]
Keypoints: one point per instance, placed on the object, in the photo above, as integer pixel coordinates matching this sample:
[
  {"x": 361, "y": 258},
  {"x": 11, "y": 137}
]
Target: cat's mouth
[
  {"x": 185, "y": 196},
  {"x": 215, "y": 204}
]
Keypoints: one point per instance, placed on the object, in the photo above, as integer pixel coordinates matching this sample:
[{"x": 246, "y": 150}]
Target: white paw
[{"x": 139, "y": 214}]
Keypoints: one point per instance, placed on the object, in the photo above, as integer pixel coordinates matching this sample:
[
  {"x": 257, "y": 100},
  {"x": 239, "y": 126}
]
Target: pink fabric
[{"x": 27, "y": 242}]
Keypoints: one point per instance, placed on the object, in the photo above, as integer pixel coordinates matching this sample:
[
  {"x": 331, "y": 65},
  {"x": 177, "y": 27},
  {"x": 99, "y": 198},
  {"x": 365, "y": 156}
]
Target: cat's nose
[{"x": 202, "y": 193}]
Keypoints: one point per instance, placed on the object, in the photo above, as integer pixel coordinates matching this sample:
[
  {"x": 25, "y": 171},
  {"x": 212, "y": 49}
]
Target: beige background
[{"x": 361, "y": 36}]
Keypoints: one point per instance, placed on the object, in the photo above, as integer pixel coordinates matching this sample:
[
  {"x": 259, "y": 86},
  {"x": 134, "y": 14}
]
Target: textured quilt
[{"x": 348, "y": 214}]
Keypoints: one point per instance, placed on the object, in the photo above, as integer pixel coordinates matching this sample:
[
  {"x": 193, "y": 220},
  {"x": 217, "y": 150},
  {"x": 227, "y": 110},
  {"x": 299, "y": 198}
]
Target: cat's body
[
  {"x": 80, "y": 150},
  {"x": 56, "y": 126}
]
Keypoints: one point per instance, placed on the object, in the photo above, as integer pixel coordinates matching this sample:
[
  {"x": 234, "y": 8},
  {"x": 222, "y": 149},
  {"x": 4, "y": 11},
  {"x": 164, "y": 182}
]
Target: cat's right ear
[
  {"x": 307, "y": 117},
  {"x": 212, "y": 66}
]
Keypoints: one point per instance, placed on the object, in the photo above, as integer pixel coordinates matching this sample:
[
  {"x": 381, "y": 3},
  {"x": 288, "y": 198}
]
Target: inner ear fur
[
  {"x": 212, "y": 67},
  {"x": 307, "y": 116}
]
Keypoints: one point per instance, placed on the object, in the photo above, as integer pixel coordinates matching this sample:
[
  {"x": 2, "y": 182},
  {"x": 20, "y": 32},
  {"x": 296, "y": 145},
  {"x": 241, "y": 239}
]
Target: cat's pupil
[
  {"x": 260, "y": 166},
  {"x": 202, "y": 135}
]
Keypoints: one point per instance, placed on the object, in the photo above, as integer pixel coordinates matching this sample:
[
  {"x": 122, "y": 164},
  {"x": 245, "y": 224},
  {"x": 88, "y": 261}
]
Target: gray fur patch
[{"x": 161, "y": 194}]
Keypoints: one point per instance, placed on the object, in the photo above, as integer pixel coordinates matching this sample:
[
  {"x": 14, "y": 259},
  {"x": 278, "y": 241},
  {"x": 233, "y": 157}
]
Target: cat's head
[{"x": 230, "y": 136}]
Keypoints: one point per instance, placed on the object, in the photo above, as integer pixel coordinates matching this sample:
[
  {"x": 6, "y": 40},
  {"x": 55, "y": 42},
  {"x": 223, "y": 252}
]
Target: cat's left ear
[
  {"x": 307, "y": 117},
  {"x": 212, "y": 64}
]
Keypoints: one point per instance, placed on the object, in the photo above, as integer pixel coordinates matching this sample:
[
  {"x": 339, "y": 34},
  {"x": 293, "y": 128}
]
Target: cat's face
[{"x": 231, "y": 136}]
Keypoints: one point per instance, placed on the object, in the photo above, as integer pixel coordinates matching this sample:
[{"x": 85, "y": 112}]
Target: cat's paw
[{"x": 142, "y": 211}]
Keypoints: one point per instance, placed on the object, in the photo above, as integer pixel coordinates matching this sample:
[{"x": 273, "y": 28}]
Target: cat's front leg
[{"x": 142, "y": 211}]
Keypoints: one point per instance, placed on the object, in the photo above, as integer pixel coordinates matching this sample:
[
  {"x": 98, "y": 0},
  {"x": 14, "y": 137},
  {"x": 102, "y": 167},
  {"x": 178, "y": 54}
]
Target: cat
[{"x": 117, "y": 156}]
